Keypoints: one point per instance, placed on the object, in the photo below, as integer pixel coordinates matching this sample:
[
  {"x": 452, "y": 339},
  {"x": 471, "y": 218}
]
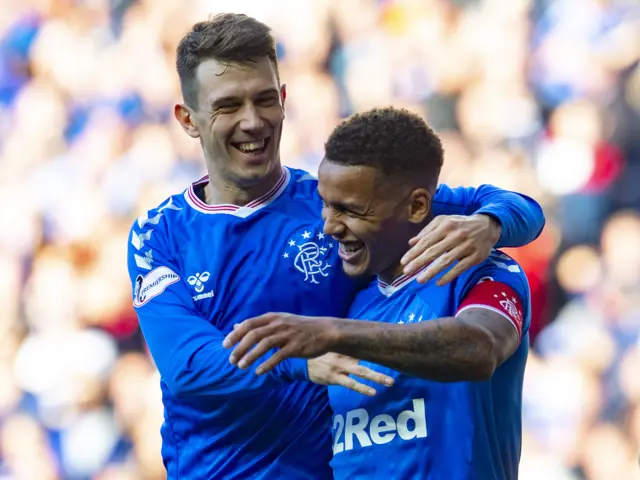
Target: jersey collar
[
  {"x": 388, "y": 289},
  {"x": 235, "y": 210}
]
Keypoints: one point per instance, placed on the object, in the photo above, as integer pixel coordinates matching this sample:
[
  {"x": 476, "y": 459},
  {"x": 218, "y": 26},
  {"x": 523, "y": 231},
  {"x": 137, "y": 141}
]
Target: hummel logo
[{"x": 198, "y": 280}]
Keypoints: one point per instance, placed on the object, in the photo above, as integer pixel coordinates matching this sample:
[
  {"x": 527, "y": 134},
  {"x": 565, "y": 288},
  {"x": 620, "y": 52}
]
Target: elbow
[
  {"x": 541, "y": 224},
  {"x": 184, "y": 375},
  {"x": 175, "y": 387},
  {"x": 482, "y": 370},
  {"x": 482, "y": 365},
  {"x": 179, "y": 383},
  {"x": 537, "y": 219},
  {"x": 476, "y": 362}
]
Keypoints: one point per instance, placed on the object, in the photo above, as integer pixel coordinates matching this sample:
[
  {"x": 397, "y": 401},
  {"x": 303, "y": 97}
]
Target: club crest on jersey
[
  {"x": 510, "y": 306},
  {"x": 308, "y": 252}
]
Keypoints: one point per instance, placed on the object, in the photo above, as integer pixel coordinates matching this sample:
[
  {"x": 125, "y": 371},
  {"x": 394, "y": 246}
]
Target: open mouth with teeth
[
  {"x": 253, "y": 148},
  {"x": 349, "y": 251}
]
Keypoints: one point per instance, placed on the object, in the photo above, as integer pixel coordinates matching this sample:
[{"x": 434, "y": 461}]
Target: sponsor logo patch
[
  {"x": 152, "y": 285},
  {"x": 357, "y": 430}
]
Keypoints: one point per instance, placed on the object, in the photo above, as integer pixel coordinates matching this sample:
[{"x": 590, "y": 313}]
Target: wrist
[
  {"x": 334, "y": 334},
  {"x": 494, "y": 226}
]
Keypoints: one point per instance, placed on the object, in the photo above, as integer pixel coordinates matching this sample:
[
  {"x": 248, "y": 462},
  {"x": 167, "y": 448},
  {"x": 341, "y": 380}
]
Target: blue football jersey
[
  {"x": 198, "y": 269},
  {"x": 425, "y": 429}
]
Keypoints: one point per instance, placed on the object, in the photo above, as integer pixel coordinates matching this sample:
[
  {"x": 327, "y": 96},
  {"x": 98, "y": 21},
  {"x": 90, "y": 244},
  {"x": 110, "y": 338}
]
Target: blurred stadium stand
[{"x": 541, "y": 96}]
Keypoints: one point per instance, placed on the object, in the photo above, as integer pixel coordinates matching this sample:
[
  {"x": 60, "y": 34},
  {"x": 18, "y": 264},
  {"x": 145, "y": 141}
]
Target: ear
[
  {"x": 185, "y": 118},
  {"x": 283, "y": 94},
  {"x": 419, "y": 205}
]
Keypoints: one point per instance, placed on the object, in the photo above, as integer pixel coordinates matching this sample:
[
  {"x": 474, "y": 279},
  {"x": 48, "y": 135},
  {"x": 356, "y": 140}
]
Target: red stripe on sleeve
[{"x": 498, "y": 297}]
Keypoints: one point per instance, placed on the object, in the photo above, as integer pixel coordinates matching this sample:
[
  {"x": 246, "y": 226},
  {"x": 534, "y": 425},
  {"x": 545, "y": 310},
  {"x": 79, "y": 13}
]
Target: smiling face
[
  {"x": 371, "y": 219},
  {"x": 238, "y": 118}
]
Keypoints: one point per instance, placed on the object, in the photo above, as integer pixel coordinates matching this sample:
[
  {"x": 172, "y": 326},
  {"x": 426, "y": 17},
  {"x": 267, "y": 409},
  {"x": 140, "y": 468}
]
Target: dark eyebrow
[
  {"x": 224, "y": 100},
  {"x": 236, "y": 99},
  {"x": 352, "y": 208},
  {"x": 268, "y": 91},
  {"x": 344, "y": 206}
]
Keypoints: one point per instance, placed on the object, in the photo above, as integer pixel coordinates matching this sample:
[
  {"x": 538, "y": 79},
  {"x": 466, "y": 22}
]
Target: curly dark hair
[
  {"x": 395, "y": 141},
  {"x": 230, "y": 38}
]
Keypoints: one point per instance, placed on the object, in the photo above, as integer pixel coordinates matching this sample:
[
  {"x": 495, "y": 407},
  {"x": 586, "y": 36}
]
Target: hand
[
  {"x": 293, "y": 335},
  {"x": 298, "y": 336},
  {"x": 334, "y": 369},
  {"x": 448, "y": 238}
]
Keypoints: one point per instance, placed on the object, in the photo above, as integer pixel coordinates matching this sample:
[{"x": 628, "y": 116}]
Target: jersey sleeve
[
  {"x": 497, "y": 284},
  {"x": 185, "y": 347},
  {"x": 521, "y": 217}
]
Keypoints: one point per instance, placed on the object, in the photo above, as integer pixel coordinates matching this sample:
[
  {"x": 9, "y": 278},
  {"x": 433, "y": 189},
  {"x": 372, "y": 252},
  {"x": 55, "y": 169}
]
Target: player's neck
[
  {"x": 392, "y": 273},
  {"x": 222, "y": 191},
  {"x": 395, "y": 269}
]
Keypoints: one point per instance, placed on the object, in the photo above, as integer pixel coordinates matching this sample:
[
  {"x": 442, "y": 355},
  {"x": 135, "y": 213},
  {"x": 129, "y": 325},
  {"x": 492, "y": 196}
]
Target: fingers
[
  {"x": 447, "y": 239},
  {"x": 335, "y": 369},
  {"x": 425, "y": 251},
  {"x": 431, "y": 227},
  {"x": 372, "y": 375},
  {"x": 428, "y": 236},
  {"x": 436, "y": 267},
  {"x": 464, "y": 254},
  {"x": 352, "y": 384},
  {"x": 458, "y": 269},
  {"x": 351, "y": 366},
  {"x": 273, "y": 361},
  {"x": 445, "y": 261},
  {"x": 241, "y": 329},
  {"x": 442, "y": 263},
  {"x": 263, "y": 338},
  {"x": 444, "y": 255}
]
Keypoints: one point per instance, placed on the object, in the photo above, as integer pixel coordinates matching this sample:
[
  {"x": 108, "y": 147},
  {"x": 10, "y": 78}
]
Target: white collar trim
[
  {"x": 235, "y": 210},
  {"x": 388, "y": 289}
]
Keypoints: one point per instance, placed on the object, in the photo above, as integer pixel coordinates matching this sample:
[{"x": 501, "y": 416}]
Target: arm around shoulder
[{"x": 520, "y": 216}]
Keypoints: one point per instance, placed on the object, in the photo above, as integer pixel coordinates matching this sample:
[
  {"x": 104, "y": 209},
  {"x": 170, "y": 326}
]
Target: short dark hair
[
  {"x": 230, "y": 38},
  {"x": 395, "y": 141}
]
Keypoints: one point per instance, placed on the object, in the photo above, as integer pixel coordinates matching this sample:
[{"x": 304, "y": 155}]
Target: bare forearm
[{"x": 446, "y": 349}]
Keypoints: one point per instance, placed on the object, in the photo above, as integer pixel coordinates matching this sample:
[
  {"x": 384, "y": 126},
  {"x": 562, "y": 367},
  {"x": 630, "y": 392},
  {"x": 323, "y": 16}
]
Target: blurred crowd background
[{"x": 538, "y": 96}]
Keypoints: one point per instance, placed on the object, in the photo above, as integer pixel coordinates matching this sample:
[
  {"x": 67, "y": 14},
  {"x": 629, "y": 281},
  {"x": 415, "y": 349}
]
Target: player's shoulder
[
  {"x": 498, "y": 270},
  {"x": 154, "y": 226},
  {"x": 304, "y": 184},
  {"x": 451, "y": 195},
  {"x": 167, "y": 212},
  {"x": 302, "y": 176},
  {"x": 498, "y": 267},
  {"x": 149, "y": 236}
]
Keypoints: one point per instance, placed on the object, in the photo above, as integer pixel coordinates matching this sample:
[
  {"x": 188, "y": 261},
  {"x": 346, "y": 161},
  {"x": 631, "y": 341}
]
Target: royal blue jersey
[
  {"x": 421, "y": 429},
  {"x": 198, "y": 269}
]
